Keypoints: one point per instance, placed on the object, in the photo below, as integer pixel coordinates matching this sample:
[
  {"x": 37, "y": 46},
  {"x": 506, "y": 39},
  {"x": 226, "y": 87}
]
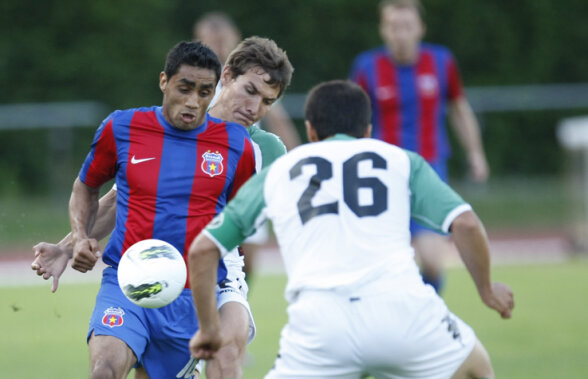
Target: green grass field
[{"x": 43, "y": 334}]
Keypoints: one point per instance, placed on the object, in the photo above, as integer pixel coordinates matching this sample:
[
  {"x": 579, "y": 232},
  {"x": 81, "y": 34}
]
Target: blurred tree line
[{"x": 112, "y": 52}]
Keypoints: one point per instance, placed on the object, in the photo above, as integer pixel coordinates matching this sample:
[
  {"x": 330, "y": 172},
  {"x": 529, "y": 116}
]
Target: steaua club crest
[
  {"x": 212, "y": 163},
  {"x": 113, "y": 317}
]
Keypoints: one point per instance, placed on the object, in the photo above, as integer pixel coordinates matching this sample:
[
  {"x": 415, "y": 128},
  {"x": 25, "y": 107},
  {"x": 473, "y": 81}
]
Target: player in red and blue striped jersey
[
  {"x": 170, "y": 181},
  {"x": 413, "y": 86},
  {"x": 255, "y": 77},
  {"x": 175, "y": 168}
]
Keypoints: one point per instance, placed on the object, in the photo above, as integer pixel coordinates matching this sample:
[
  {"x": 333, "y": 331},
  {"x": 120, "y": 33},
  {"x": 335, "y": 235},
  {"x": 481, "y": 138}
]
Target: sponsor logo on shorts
[
  {"x": 113, "y": 317},
  {"x": 452, "y": 328}
]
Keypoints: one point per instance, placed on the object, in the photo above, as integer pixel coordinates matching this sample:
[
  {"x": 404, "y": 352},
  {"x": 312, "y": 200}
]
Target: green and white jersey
[
  {"x": 340, "y": 211},
  {"x": 267, "y": 147}
]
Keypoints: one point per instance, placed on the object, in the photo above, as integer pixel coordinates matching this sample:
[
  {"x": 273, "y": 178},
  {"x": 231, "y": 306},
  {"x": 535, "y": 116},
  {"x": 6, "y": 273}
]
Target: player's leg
[
  {"x": 228, "y": 362},
  {"x": 317, "y": 342},
  {"x": 109, "y": 357},
  {"x": 117, "y": 334},
  {"x": 477, "y": 365},
  {"x": 236, "y": 322}
]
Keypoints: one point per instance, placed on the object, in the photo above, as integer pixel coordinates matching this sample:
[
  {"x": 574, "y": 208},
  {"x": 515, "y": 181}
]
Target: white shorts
[
  {"x": 396, "y": 336},
  {"x": 234, "y": 288}
]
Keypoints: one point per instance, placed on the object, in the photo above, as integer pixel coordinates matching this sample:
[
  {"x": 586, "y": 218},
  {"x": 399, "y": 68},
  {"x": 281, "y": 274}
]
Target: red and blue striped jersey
[
  {"x": 170, "y": 182},
  {"x": 409, "y": 102}
]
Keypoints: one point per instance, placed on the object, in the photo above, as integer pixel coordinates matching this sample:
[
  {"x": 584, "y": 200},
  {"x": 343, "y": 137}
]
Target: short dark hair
[
  {"x": 265, "y": 54},
  {"x": 193, "y": 54},
  {"x": 338, "y": 106}
]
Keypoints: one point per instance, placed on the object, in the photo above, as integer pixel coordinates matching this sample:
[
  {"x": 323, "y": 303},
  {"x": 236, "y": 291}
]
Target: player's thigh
[
  {"x": 477, "y": 364},
  {"x": 110, "y": 354}
]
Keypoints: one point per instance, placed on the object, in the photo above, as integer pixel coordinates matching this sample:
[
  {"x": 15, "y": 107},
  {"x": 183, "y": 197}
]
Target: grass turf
[{"x": 44, "y": 333}]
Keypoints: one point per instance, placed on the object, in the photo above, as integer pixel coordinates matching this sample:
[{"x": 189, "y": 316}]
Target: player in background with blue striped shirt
[{"x": 413, "y": 86}]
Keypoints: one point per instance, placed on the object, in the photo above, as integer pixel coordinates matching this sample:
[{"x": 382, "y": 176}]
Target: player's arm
[
  {"x": 221, "y": 235},
  {"x": 438, "y": 206},
  {"x": 83, "y": 207},
  {"x": 465, "y": 124},
  {"x": 279, "y": 122},
  {"x": 51, "y": 259},
  {"x": 471, "y": 241}
]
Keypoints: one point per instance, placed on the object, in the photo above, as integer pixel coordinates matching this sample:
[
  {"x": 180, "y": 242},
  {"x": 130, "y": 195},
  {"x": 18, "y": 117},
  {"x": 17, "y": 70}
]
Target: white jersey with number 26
[{"x": 340, "y": 210}]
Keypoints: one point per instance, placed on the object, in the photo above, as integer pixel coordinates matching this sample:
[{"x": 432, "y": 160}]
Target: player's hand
[
  {"x": 500, "y": 298},
  {"x": 205, "y": 344},
  {"x": 479, "y": 169},
  {"x": 86, "y": 253},
  {"x": 50, "y": 261}
]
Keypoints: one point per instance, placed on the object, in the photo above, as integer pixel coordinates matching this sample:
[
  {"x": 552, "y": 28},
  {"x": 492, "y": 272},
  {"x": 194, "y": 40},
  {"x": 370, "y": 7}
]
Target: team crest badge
[
  {"x": 113, "y": 317},
  {"x": 212, "y": 163},
  {"x": 428, "y": 84}
]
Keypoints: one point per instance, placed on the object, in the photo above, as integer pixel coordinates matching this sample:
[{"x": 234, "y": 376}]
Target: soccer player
[
  {"x": 340, "y": 208},
  {"x": 412, "y": 85},
  {"x": 256, "y": 74},
  {"x": 218, "y": 31},
  {"x": 262, "y": 71}
]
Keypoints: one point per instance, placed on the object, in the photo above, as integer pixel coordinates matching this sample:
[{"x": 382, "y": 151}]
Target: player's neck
[
  {"x": 406, "y": 56},
  {"x": 218, "y": 111}
]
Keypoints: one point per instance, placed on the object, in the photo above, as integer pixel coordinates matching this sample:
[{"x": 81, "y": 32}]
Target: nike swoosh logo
[{"x": 135, "y": 160}]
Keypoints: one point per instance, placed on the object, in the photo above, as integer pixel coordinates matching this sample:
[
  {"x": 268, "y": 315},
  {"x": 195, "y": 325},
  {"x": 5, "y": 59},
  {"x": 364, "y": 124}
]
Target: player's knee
[
  {"x": 104, "y": 369},
  {"x": 476, "y": 366},
  {"x": 230, "y": 360}
]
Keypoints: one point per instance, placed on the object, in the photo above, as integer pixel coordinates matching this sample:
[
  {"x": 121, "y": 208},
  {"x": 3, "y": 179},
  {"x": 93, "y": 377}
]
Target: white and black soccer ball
[{"x": 152, "y": 273}]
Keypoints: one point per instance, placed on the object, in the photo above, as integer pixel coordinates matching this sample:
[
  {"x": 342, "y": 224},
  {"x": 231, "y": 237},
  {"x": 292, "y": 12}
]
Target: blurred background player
[
  {"x": 218, "y": 31},
  {"x": 341, "y": 209},
  {"x": 412, "y": 86}
]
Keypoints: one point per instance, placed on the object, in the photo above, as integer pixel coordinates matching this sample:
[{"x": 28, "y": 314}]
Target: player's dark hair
[
  {"x": 265, "y": 54},
  {"x": 415, "y": 4},
  {"x": 194, "y": 54},
  {"x": 338, "y": 106}
]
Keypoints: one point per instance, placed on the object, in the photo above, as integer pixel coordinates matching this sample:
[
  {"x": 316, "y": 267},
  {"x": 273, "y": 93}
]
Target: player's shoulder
[
  {"x": 266, "y": 140},
  {"x": 233, "y": 128},
  {"x": 366, "y": 57},
  {"x": 436, "y": 49},
  {"x": 123, "y": 117}
]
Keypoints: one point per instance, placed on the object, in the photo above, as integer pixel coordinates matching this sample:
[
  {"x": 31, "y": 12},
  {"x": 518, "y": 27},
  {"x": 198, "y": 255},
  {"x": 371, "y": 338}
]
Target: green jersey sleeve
[
  {"x": 270, "y": 145},
  {"x": 433, "y": 203},
  {"x": 241, "y": 216}
]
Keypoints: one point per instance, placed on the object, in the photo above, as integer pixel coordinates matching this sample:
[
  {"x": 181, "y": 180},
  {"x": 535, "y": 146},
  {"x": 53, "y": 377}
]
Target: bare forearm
[
  {"x": 83, "y": 206},
  {"x": 471, "y": 241},
  {"x": 203, "y": 258},
  {"x": 104, "y": 224},
  {"x": 466, "y": 126}
]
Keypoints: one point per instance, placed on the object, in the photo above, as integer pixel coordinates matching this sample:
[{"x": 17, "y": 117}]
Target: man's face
[
  {"x": 186, "y": 96},
  {"x": 401, "y": 29},
  {"x": 246, "y": 98},
  {"x": 222, "y": 40}
]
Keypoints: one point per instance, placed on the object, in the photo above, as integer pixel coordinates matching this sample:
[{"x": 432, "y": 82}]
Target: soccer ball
[{"x": 152, "y": 273}]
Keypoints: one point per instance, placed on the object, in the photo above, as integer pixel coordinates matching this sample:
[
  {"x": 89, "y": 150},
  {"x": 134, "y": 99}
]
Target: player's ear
[
  {"x": 368, "y": 131},
  {"x": 225, "y": 75},
  {"x": 162, "y": 81},
  {"x": 311, "y": 133}
]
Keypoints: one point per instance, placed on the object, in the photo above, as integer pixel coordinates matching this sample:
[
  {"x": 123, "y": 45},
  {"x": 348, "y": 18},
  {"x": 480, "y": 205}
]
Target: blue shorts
[
  {"x": 159, "y": 338},
  {"x": 440, "y": 168}
]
